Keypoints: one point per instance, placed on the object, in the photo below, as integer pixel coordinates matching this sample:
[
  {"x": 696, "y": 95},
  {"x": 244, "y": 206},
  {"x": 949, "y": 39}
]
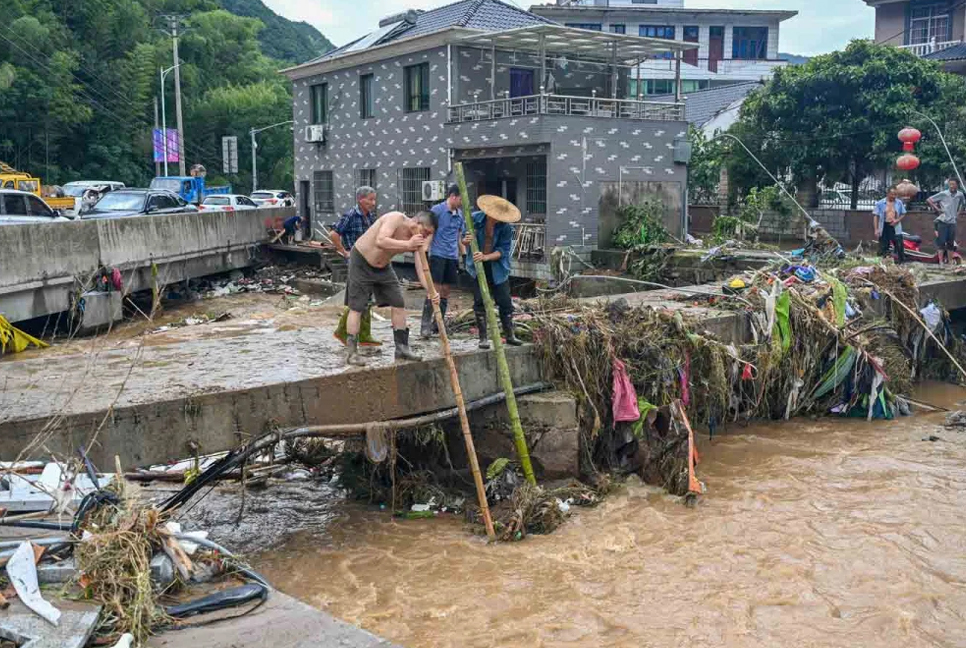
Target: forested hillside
[{"x": 78, "y": 81}]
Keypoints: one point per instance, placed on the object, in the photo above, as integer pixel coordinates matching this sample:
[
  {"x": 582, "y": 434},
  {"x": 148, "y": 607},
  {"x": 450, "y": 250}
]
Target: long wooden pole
[
  {"x": 519, "y": 440},
  {"x": 458, "y": 394}
]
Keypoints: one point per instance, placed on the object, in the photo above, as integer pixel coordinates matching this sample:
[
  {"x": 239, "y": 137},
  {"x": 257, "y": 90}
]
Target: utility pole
[
  {"x": 177, "y": 96},
  {"x": 157, "y": 126},
  {"x": 172, "y": 23}
]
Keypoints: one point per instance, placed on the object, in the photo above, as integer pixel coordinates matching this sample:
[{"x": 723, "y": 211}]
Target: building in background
[
  {"x": 733, "y": 46},
  {"x": 932, "y": 30},
  {"x": 539, "y": 113}
]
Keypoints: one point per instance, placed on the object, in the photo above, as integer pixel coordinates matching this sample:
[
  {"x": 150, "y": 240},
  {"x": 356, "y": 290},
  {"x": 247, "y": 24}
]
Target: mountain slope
[
  {"x": 793, "y": 59},
  {"x": 282, "y": 39}
]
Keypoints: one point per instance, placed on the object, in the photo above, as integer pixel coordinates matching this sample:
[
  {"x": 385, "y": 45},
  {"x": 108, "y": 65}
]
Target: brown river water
[{"x": 822, "y": 532}]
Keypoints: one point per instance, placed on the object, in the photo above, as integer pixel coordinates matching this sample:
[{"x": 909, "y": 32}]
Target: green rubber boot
[
  {"x": 341, "y": 332},
  {"x": 365, "y": 330}
]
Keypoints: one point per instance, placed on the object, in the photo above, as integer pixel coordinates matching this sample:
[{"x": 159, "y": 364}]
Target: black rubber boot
[
  {"x": 352, "y": 357},
  {"x": 443, "y": 305},
  {"x": 426, "y": 323},
  {"x": 508, "y": 333},
  {"x": 401, "y": 337},
  {"x": 481, "y": 325}
]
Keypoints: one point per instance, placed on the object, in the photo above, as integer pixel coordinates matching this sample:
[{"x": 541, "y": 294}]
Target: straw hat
[{"x": 499, "y": 209}]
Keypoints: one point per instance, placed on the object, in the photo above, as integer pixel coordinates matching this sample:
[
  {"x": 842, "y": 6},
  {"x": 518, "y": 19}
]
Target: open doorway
[{"x": 305, "y": 200}]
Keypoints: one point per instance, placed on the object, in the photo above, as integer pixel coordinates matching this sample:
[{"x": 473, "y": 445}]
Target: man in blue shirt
[
  {"x": 494, "y": 238},
  {"x": 445, "y": 250},
  {"x": 886, "y": 218},
  {"x": 353, "y": 224}
]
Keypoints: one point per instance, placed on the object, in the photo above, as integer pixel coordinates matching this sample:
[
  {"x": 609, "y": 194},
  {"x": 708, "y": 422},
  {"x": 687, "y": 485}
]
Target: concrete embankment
[{"x": 45, "y": 268}]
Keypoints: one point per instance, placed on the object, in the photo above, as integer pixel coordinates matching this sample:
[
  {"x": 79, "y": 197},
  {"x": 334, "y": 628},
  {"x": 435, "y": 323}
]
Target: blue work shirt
[
  {"x": 291, "y": 223},
  {"x": 502, "y": 242},
  {"x": 450, "y": 230},
  {"x": 353, "y": 225},
  {"x": 880, "y": 211}
]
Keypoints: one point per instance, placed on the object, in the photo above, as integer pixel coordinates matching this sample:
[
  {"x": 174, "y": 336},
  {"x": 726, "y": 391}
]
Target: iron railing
[{"x": 552, "y": 104}]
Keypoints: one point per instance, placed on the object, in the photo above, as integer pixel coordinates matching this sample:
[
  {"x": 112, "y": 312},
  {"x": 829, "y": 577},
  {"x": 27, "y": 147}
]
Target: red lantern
[
  {"x": 907, "y": 162},
  {"x": 909, "y": 137}
]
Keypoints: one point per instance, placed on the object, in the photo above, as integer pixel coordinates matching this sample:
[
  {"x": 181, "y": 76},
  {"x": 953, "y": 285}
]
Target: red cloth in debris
[
  {"x": 746, "y": 373},
  {"x": 116, "y": 280},
  {"x": 625, "y": 398}
]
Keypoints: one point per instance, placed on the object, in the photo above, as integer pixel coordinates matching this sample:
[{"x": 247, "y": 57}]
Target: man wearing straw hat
[{"x": 494, "y": 237}]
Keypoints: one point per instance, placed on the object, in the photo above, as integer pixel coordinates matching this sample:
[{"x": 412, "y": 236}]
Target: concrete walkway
[{"x": 282, "y": 622}]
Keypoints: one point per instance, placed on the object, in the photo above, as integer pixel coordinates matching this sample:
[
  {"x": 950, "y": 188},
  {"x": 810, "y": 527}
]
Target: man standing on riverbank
[
  {"x": 887, "y": 216},
  {"x": 494, "y": 238},
  {"x": 948, "y": 204},
  {"x": 371, "y": 274},
  {"x": 444, "y": 254},
  {"x": 353, "y": 224}
]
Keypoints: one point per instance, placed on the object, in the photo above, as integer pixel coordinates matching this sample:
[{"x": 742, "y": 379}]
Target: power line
[{"x": 193, "y": 149}]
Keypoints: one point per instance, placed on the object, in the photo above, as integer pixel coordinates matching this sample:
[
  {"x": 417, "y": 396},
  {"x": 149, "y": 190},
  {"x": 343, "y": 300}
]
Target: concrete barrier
[{"x": 43, "y": 265}]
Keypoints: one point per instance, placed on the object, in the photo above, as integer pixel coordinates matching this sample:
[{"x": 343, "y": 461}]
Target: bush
[{"x": 641, "y": 225}]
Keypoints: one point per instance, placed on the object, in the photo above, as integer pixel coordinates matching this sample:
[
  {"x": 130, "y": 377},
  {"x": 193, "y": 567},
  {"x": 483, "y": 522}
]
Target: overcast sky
[{"x": 821, "y": 25}]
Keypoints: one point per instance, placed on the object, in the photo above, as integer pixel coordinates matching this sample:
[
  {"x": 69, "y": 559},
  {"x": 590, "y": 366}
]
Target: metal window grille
[
  {"x": 411, "y": 189},
  {"x": 324, "y": 188},
  {"x": 927, "y": 23},
  {"x": 417, "y": 87},
  {"x": 319, "y": 96},
  {"x": 365, "y": 96},
  {"x": 366, "y": 178},
  {"x": 537, "y": 187}
]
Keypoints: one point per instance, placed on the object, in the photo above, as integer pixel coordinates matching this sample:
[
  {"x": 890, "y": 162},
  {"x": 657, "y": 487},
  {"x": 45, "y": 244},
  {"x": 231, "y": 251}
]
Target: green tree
[{"x": 836, "y": 116}]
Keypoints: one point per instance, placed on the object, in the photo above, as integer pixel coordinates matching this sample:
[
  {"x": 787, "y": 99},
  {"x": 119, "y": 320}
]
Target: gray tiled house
[{"x": 538, "y": 113}]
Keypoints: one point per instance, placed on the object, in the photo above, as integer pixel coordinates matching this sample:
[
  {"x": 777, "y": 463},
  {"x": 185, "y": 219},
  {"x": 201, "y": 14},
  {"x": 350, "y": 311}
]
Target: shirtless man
[{"x": 371, "y": 273}]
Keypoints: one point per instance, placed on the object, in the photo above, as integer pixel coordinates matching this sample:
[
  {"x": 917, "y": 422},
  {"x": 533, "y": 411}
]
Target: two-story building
[
  {"x": 539, "y": 113},
  {"x": 933, "y": 30},
  {"x": 733, "y": 45}
]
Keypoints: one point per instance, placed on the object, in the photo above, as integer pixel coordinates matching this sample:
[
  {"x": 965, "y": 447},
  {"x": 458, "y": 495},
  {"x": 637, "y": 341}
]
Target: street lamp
[
  {"x": 164, "y": 119},
  {"x": 253, "y": 132}
]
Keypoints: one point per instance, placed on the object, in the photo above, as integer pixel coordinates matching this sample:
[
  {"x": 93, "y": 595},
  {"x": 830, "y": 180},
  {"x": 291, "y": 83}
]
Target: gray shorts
[
  {"x": 945, "y": 235},
  {"x": 365, "y": 281}
]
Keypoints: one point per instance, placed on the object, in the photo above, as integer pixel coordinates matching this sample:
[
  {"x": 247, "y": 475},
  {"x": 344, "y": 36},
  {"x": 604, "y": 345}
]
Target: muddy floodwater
[{"x": 824, "y": 532}]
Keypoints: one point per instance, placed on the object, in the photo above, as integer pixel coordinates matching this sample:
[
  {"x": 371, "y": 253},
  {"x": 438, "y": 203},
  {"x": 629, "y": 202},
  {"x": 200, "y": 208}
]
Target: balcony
[
  {"x": 563, "y": 105},
  {"x": 929, "y": 47}
]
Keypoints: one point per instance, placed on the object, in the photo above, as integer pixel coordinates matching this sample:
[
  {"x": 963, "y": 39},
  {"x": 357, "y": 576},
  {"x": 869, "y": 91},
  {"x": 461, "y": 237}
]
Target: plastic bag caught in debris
[{"x": 377, "y": 448}]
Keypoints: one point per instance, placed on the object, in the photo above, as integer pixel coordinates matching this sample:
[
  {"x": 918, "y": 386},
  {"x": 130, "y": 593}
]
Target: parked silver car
[
  {"x": 17, "y": 207},
  {"x": 227, "y": 202}
]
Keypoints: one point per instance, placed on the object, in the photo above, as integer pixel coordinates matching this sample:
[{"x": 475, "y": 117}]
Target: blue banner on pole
[{"x": 172, "y": 148}]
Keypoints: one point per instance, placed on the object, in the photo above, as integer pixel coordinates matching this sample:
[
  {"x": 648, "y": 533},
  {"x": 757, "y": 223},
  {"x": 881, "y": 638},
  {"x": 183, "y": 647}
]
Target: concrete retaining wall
[
  {"x": 41, "y": 264},
  {"x": 164, "y": 430}
]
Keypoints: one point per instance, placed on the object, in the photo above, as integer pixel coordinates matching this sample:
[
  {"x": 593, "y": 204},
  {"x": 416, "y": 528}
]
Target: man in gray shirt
[{"x": 947, "y": 204}]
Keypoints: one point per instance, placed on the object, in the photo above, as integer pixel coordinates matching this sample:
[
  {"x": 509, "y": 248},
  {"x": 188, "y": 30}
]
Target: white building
[{"x": 733, "y": 45}]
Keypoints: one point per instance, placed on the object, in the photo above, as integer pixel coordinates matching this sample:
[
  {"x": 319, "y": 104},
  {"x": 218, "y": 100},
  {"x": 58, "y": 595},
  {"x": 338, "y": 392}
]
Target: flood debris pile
[
  {"x": 846, "y": 342},
  {"x": 124, "y": 556}
]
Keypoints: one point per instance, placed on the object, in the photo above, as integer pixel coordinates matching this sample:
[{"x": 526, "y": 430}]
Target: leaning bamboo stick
[
  {"x": 519, "y": 440},
  {"x": 458, "y": 394}
]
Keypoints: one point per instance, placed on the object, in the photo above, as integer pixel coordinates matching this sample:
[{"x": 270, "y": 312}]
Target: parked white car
[
  {"x": 227, "y": 202},
  {"x": 273, "y": 198},
  {"x": 18, "y": 207}
]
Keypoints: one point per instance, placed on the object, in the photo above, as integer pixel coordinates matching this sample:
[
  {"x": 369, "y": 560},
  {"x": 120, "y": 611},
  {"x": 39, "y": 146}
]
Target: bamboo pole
[
  {"x": 458, "y": 393},
  {"x": 523, "y": 453}
]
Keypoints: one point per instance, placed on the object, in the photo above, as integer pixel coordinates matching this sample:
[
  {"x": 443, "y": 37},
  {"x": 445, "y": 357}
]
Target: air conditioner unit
[
  {"x": 433, "y": 190},
  {"x": 315, "y": 134}
]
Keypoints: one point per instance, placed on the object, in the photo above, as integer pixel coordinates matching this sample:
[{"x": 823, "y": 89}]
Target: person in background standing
[
  {"x": 948, "y": 204},
  {"x": 887, "y": 216},
  {"x": 494, "y": 238},
  {"x": 445, "y": 251},
  {"x": 350, "y": 228}
]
